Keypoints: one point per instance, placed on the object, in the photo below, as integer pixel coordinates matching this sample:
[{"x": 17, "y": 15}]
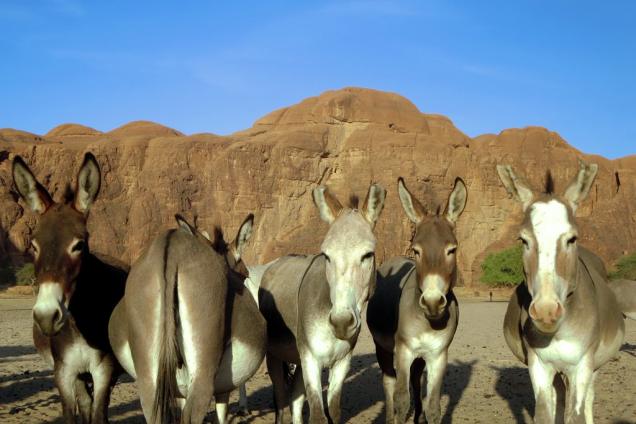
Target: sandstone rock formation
[{"x": 346, "y": 139}]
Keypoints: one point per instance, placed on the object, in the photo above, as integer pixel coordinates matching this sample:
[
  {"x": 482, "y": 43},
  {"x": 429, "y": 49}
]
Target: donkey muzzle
[
  {"x": 48, "y": 313},
  {"x": 546, "y": 314},
  {"x": 434, "y": 304},
  {"x": 344, "y": 324}
]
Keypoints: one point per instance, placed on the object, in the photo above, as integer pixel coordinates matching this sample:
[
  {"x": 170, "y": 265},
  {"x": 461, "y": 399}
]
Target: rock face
[{"x": 345, "y": 139}]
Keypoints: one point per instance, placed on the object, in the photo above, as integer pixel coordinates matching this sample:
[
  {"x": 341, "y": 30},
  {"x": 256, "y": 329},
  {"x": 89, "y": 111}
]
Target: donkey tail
[{"x": 164, "y": 405}]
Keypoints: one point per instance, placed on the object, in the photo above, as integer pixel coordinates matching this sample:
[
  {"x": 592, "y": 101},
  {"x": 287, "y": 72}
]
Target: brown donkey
[
  {"x": 313, "y": 306},
  {"x": 187, "y": 328},
  {"x": 413, "y": 313},
  {"x": 77, "y": 292},
  {"x": 563, "y": 321}
]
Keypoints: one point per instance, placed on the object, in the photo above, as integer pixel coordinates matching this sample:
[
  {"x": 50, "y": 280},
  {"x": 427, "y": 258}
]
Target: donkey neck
[{"x": 99, "y": 287}]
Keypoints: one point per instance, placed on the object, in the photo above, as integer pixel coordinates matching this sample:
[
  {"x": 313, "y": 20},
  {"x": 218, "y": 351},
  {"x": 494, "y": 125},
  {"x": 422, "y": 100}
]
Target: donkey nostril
[
  {"x": 533, "y": 311},
  {"x": 442, "y": 301},
  {"x": 558, "y": 311}
]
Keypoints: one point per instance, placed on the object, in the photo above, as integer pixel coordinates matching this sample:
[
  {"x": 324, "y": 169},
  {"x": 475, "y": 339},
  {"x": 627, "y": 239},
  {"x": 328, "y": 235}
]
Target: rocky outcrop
[{"x": 347, "y": 139}]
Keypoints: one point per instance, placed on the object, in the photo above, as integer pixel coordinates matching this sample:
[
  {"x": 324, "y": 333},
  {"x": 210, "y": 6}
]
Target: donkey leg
[
  {"x": 417, "y": 369},
  {"x": 221, "y": 401},
  {"x": 243, "y": 408},
  {"x": 542, "y": 377},
  {"x": 65, "y": 381},
  {"x": 84, "y": 400},
  {"x": 337, "y": 375},
  {"x": 589, "y": 401},
  {"x": 313, "y": 387},
  {"x": 102, "y": 385},
  {"x": 403, "y": 360},
  {"x": 200, "y": 394},
  {"x": 297, "y": 396},
  {"x": 279, "y": 385},
  {"x": 385, "y": 360},
  {"x": 435, "y": 370},
  {"x": 580, "y": 382}
]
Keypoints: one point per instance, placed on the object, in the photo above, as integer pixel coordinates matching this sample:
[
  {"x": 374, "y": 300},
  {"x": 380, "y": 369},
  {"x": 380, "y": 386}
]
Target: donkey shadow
[{"x": 514, "y": 385}]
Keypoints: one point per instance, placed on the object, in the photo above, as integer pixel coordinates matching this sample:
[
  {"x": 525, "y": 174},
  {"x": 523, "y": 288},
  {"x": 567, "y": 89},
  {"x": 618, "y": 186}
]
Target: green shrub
[
  {"x": 25, "y": 275},
  {"x": 504, "y": 268},
  {"x": 625, "y": 267}
]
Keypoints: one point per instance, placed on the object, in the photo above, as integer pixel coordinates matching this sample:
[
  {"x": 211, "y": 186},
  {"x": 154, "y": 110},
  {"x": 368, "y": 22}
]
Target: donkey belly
[{"x": 239, "y": 362}]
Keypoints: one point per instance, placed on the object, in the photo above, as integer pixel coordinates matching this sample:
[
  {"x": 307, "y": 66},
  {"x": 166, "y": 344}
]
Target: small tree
[
  {"x": 625, "y": 267},
  {"x": 504, "y": 268},
  {"x": 25, "y": 275}
]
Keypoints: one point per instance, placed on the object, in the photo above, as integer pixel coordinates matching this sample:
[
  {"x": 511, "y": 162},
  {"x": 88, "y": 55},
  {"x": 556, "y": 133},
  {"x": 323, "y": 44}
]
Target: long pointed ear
[
  {"x": 374, "y": 203},
  {"x": 328, "y": 206},
  {"x": 89, "y": 180},
  {"x": 243, "y": 236},
  {"x": 580, "y": 187},
  {"x": 33, "y": 193},
  {"x": 456, "y": 201},
  {"x": 515, "y": 185},
  {"x": 413, "y": 208},
  {"x": 184, "y": 225}
]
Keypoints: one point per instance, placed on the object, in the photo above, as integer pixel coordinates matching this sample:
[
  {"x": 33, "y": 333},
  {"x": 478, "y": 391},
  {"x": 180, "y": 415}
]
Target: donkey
[
  {"x": 563, "y": 319},
  {"x": 625, "y": 292},
  {"x": 313, "y": 306},
  {"x": 77, "y": 292},
  {"x": 413, "y": 313},
  {"x": 187, "y": 327}
]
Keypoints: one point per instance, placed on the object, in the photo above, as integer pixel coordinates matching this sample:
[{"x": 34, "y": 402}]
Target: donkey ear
[
  {"x": 580, "y": 187},
  {"x": 88, "y": 182},
  {"x": 374, "y": 203},
  {"x": 515, "y": 186},
  {"x": 184, "y": 225},
  {"x": 328, "y": 206},
  {"x": 243, "y": 236},
  {"x": 456, "y": 201},
  {"x": 33, "y": 193},
  {"x": 413, "y": 208}
]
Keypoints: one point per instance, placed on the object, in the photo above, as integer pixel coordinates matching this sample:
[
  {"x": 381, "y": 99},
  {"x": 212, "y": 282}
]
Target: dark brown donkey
[
  {"x": 413, "y": 313},
  {"x": 563, "y": 321},
  {"x": 77, "y": 292},
  {"x": 187, "y": 328}
]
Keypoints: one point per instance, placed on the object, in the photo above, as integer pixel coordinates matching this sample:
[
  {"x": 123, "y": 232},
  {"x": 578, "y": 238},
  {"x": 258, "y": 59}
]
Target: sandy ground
[{"x": 483, "y": 384}]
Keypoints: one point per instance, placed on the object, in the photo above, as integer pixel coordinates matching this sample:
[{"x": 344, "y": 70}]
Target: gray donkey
[
  {"x": 313, "y": 306},
  {"x": 187, "y": 327},
  {"x": 413, "y": 313},
  {"x": 77, "y": 292},
  {"x": 563, "y": 321}
]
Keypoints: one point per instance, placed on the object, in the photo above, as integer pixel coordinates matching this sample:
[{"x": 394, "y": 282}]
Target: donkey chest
[
  {"x": 76, "y": 354},
  {"x": 326, "y": 348},
  {"x": 562, "y": 353}
]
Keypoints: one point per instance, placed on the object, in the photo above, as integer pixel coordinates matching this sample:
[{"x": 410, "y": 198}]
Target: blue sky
[{"x": 203, "y": 66}]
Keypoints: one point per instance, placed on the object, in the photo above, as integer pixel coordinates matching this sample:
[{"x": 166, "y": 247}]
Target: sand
[{"x": 484, "y": 382}]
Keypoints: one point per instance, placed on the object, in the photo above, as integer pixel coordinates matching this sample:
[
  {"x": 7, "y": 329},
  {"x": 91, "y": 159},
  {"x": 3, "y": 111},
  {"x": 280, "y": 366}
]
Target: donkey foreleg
[
  {"x": 403, "y": 360},
  {"x": 312, "y": 371},
  {"x": 542, "y": 377},
  {"x": 435, "y": 370},
  {"x": 337, "y": 375},
  {"x": 581, "y": 383},
  {"x": 102, "y": 383},
  {"x": 65, "y": 381},
  {"x": 84, "y": 400}
]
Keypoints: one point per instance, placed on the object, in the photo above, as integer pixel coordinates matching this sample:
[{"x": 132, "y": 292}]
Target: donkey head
[
  {"x": 549, "y": 234},
  {"x": 233, "y": 252},
  {"x": 349, "y": 250},
  {"x": 434, "y": 246},
  {"x": 60, "y": 240}
]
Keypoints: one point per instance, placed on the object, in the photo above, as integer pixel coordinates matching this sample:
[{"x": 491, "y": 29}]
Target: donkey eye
[
  {"x": 366, "y": 256},
  {"x": 524, "y": 241},
  {"x": 451, "y": 251},
  {"x": 78, "y": 246},
  {"x": 327, "y": 258},
  {"x": 416, "y": 252},
  {"x": 33, "y": 246},
  {"x": 572, "y": 240}
]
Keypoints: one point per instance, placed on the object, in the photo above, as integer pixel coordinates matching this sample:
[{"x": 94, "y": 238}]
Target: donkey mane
[
  {"x": 354, "y": 201},
  {"x": 69, "y": 194},
  {"x": 218, "y": 241},
  {"x": 549, "y": 183}
]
